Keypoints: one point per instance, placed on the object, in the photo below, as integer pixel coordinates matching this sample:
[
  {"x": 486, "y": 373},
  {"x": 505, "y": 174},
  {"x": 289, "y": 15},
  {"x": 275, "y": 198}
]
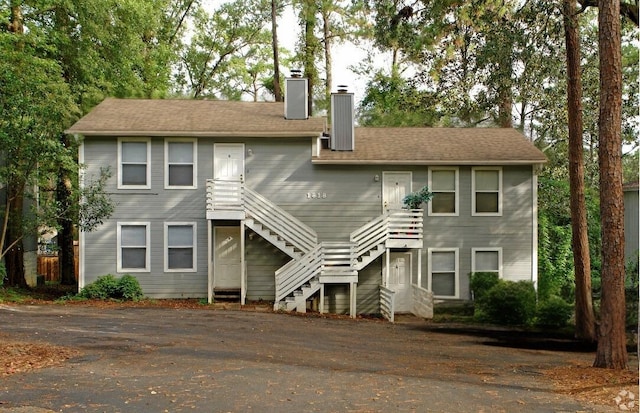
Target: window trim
[
  {"x": 194, "y": 164},
  {"x": 119, "y": 266},
  {"x": 194, "y": 263},
  {"x": 148, "y": 163},
  {"x": 486, "y": 249},
  {"x": 456, "y": 191},
  {"x": 473, "y": 191},
  {"x": 456, "y": 251}
]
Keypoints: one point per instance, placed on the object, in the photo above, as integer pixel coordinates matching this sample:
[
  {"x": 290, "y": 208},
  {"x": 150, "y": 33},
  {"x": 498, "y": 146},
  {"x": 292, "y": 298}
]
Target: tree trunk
[
  {"x": 612, "y": 350},
  {"x": 585, "y": 319},
  {"x": 277, "y": 90},
  {"x": 14, "y": 254},
  {"x": 66, "y": 261},
  {"x": 326, "y": 32},
  {"x": 309, "y": 52}
]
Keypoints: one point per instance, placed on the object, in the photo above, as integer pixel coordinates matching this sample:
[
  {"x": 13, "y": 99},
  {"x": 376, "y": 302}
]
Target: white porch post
[
  {"x": 243, "y": 269},
  {"x": 352, "y": 299},
  {"x": 321, "y": 299},
  {"x": 420, "y": 268},
  {"x": 209, "y": 269},
  {"x": 387, "y": 271}
]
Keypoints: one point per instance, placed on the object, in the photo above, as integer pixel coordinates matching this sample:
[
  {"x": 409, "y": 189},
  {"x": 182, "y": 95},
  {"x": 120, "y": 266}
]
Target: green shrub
[
  {"x": 109, "y": 287},
  {"x": 509, "y": 303},
  {"x": 481, "y": 282},
  {"x": 129, "y": 288},
  {"x": 554, "y": 312},
  {"x": 632, "y": 270}
]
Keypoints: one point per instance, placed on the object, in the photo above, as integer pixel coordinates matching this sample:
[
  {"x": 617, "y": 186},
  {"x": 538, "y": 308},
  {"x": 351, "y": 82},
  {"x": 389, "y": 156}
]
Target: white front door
[
  {"x": 395, "y": 186},
  {"x": 227, "y": 257},
  {"x": 228, "y": 161},
  {"x": 400, "y": 280}
]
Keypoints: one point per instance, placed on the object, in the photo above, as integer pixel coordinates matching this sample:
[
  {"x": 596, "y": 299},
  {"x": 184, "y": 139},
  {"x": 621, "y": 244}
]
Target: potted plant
[{"x": 415, "y": 199}]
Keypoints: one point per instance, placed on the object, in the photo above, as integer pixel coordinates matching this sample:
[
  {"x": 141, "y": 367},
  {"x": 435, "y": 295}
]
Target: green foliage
[
  {"x": 632, "y": 270},
  {"x": 554, "y": 312},
  {"x": 394, "y": 101},
  {"x": 481, "y": 282},
  {"x": 508, "y": 303},
  {"x": 109, "y": 287},
  {"x": 227, "y": 50},
  {"x": 414, "y": 200}
]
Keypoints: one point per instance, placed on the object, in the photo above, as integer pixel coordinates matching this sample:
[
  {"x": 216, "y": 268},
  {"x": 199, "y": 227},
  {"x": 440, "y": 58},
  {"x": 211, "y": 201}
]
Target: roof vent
[
  {"x": 295, "y": 96},
  {"x": 343, "y": 88}
]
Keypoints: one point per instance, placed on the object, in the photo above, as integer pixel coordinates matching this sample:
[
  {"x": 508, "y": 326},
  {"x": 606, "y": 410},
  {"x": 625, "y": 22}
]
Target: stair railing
[
  {"x": 296, "y": 273},
  {"x": 279, "y": 221}
]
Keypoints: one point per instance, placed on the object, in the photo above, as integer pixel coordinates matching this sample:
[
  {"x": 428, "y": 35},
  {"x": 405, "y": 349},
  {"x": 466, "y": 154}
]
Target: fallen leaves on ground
[
  {"x": 20, "y": 356},
  {"x": 595, "y": 385}
]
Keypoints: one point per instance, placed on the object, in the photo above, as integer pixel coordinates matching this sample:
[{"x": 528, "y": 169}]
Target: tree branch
[{"x": 627, "y": 10}]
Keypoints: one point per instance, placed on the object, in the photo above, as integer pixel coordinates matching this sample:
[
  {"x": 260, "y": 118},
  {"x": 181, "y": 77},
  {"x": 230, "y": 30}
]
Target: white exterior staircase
[{"x": 313, "y": 263}]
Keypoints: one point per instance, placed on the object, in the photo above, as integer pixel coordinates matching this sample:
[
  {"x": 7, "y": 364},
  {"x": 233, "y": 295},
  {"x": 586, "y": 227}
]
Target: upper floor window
[
  {"x": 134, "y": 163},
  {"x": 444, "y": 183},
  {"x": 133, "y": 247},
  {"x": 486, "y": 260},
  {"x": 180, "y": 242},
  {"x": 443, "y": 273},
  {"x": 180, "y": 169},
  {"x": 486, "y": 188}
]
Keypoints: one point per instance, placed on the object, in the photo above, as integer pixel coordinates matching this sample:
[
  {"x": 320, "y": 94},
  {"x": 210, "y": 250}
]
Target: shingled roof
[
  {"x": 173, "y": 117},
  {"x": 436, "y": 146},
  {"x": 400, "y": 146}
]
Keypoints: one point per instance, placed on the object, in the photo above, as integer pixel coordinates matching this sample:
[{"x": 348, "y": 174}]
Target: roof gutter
[
  {"x": 296, "y": 134},
  {"x": 427, "y": 162}
]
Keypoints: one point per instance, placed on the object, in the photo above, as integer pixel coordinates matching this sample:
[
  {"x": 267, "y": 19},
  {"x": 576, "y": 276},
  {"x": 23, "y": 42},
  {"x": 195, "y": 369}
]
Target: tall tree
[
  {"x": 612, "y": 350},
  {"x": 233, "y": 31},
  {"x": 585, "y": 319},
  {"x": 277, "y": 89}
]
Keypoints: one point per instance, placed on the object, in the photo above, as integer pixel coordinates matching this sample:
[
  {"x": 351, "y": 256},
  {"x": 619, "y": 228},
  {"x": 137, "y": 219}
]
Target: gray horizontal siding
[{"x": 280, "y": 170}]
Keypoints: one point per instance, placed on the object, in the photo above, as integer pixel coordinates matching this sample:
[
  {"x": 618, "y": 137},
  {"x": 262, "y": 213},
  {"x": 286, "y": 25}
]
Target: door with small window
[
  {"x": 400, "y": 281},
  {"x": 395, "y": 186},
  {"x": 227, "y": 258}
]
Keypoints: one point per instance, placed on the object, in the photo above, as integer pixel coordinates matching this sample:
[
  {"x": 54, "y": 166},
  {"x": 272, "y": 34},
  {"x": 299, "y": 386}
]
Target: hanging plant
[{"x": 415, "y": 199}]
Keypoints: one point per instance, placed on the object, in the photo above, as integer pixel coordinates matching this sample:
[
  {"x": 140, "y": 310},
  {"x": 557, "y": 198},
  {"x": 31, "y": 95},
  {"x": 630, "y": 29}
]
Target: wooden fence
[{"x": 48, "y": 265}]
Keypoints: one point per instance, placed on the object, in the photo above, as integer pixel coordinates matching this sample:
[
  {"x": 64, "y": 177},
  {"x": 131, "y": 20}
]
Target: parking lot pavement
[{"x": 174, "y": 360}]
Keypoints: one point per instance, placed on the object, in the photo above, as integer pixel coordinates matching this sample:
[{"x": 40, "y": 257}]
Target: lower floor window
[
  {"x": 443, "y": 272},
  {"x": 180, "y": 241},
  {"x": 133, "y": 246},
  {"x": 486, "y": 260}
]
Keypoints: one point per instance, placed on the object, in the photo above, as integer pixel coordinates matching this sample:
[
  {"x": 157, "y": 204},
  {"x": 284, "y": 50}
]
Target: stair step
[{"x": 220, "y": 293}]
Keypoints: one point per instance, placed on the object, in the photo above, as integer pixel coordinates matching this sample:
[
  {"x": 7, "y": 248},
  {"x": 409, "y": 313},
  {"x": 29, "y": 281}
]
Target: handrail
[
  {"x": 280, "y": 221},
  {"x": 297, "y": 272},
  {"x": 387, "y": 303},
  {"x": 236, "y": 196},
  {"x": 224, "y": 195}
]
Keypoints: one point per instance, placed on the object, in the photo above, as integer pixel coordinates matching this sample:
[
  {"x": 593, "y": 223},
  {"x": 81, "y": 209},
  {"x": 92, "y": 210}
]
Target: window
[
  {"x": 134, "y": 169},
  {"x": 443, "y": 272},
  {"x": 180, "y": 167},
  {"x": 443, "y": 182},
  {"x": 486, "y": 191},
  {"x": 133, "y": 247},
  {"x": 486, "y": 260},
  {"x": 180, "y": 241}
]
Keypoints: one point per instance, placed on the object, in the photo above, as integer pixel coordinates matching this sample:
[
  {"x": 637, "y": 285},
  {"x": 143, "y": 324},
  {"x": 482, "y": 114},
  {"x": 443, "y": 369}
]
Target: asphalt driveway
[{"x": 175, "y": 360}]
